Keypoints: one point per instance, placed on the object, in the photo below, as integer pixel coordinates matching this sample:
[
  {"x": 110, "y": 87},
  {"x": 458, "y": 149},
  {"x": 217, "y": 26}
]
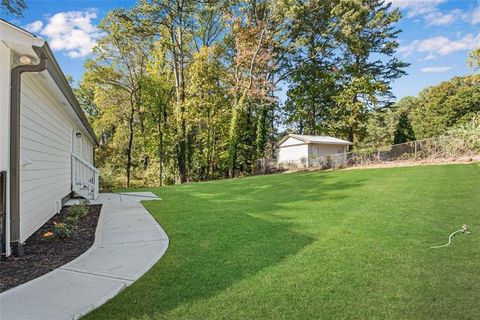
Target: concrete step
[{"x": 85, "y": 193}]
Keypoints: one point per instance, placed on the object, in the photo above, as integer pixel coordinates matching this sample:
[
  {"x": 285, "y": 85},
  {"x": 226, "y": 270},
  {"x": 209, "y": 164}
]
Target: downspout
[{"x": 15, "y": 94}]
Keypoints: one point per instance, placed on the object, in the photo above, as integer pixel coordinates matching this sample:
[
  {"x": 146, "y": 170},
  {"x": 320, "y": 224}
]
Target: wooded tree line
[
  {"x": 183, "y": 90},
  {"x": 430, "y": 114}
]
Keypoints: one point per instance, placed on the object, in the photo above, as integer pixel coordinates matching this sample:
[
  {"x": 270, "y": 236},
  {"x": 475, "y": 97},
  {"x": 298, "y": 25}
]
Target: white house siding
[
  {"x": 5, "y": 62},
  {"x": 82, "y": 147},
  {"x": 87, "y": 150},
  {"x": 45, "y": 150},
  {"x": 293, "y": 154}
]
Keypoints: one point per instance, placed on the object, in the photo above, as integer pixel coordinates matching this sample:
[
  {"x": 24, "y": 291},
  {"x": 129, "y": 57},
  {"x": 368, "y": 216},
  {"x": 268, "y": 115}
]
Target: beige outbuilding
[{"x": 307, "y": 150}]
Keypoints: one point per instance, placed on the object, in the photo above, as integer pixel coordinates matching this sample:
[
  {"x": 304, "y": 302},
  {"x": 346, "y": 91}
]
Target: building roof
[
  {"x": 41, "y": 49},
  {"x": 315, "y": 139}
]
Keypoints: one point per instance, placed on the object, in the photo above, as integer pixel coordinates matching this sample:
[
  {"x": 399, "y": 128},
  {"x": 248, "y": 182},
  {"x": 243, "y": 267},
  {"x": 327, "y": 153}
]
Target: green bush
[
  {"x": 64, "y": 230},
  {"x": 78, "y": 210},
  {"x": 71, "y": 220},
  {"x": 464, "y": 139},
  {"x": 69, "y": 226}
]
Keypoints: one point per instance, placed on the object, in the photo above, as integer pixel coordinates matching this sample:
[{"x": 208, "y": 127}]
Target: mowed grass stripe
[{"x": 351, "y": 244}]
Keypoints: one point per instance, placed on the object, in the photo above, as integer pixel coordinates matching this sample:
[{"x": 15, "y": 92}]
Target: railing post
[
  {"x": 85, "y": 175},
  {"x": 97, "y": 185},
  {"x": 72, "y": 163}
]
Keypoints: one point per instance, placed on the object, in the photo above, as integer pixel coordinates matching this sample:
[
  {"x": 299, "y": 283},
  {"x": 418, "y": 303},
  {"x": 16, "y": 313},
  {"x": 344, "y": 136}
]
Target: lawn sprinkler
[{"x": 463, "y": 230}]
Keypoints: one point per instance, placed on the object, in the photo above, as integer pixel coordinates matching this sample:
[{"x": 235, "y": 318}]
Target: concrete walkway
[{"x": 128, "y": 241}]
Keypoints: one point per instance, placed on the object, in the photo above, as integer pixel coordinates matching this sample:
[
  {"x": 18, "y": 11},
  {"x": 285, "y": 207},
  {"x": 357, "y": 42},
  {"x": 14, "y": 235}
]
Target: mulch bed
[{"x": 43, "y": 255}]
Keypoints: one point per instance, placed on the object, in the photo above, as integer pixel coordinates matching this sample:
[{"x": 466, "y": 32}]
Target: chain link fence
[
  {"x": 420, "y": 150},
  {"x": 459, "y": 143}
]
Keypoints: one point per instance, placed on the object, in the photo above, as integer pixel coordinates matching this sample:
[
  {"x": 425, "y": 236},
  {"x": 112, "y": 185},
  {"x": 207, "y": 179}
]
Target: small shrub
[
  {"x": 464, "y": 138},
  {"x": 69, "y": 226},
  {"x": 326, "y": 162},
  {"x": 63, "y": 230},
  {"x": 78, "y": 210},
  {"x": 289, "y": 165},
  {"x": 304, "y": 162},
  {"x": 71, "y": 220}
]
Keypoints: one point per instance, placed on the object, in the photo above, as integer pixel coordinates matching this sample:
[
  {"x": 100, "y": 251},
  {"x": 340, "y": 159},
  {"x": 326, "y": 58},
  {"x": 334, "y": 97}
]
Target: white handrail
[
  {"x": 90, "y": 166},
  {"x": 84, "y": 175}
]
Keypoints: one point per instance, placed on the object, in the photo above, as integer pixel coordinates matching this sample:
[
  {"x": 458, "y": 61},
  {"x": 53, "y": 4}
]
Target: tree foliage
[
  {"x": 433, "y": 112},
  {"x": 183, "y": 90},
  {"x": 473, "y": 60},
  {"x": 117, "y": 73},
  {"x": 448, "y": 104},
  {"x": 345, "y": 64},
  {"x": 404, "y": 132},
  {"x": 14, "y": 7}
]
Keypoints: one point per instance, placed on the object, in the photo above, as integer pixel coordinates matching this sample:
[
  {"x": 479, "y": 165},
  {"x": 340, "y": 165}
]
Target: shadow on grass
[
  {"x": 203, "y": 261},
  {"x": 219, "y": 234}
]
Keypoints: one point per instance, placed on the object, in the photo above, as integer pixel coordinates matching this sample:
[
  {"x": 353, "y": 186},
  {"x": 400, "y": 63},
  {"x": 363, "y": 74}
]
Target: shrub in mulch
[{"x": 61, "y": 239}]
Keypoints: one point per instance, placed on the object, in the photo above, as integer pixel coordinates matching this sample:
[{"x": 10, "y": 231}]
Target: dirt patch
[
  {"x": 397, "y": 163},
  {"x": 43, "y": 255},
  {"x": 410, "y": 163}
]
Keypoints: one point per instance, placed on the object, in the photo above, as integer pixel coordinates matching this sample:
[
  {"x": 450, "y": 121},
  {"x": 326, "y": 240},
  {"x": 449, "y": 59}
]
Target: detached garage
[{"x": 306, "y": 150}]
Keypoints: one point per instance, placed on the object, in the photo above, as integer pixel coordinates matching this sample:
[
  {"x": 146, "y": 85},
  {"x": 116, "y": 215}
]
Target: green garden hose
[{"x": 463, "y": 230}]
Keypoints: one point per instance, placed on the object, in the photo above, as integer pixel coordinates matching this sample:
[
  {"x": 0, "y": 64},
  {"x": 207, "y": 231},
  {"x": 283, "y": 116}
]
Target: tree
[
  {"x": 208, "y": 111},
  {"x": 183, "y": 25},
  {"x": 404, "y": 131},
  {"x": 383, "y": 124},
  {"x": 119, "y": 64},
  {"x": 311, "y": 71},
  {"x": 252, "y": 41},
  {"x": 14, "y": 7},
  {"x": 158, "y": 94},
  {"x": 366, "y": 34},
  {"x": 473, "y": 60},
  {"x": 184, "y": 90},
  {"x": 450, "y": 103},
  {"x": 344, "y": 64}
]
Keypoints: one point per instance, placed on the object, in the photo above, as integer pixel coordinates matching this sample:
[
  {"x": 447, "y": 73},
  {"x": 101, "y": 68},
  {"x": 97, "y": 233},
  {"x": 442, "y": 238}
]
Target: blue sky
[{"x": 436, "y": 37}]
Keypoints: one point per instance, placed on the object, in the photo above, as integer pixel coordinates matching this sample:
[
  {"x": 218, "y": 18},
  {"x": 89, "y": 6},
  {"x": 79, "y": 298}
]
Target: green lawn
[{"x": 349, "y": 244}]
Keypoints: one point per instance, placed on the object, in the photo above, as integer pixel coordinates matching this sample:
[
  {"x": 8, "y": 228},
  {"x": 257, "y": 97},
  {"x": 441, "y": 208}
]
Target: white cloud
[
  {"x": 71, "y": 31},
  {"x": 34, "y": 27},
  {"x": 432, "y": 15},
  {"x": 441, "y": 46},
  {"x": 475, "y": 17},
  {"x": 417, "y": 7},
  {"x": 435, "y": 69},
  {"x": 438, "y": 18}
]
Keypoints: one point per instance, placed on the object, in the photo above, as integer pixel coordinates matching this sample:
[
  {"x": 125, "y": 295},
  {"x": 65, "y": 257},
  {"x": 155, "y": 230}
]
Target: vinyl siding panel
[
  {"x": 317, "y": 152},
  {"x": 321, "y": 150},
  {"x": 5, "y": 66},
  {"x": 293, "y": 154},
  {"x": 46, "y": 135}
]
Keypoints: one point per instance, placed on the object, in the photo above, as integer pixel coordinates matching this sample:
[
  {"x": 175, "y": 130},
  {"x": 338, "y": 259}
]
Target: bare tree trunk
[
  {"x": 209, "y": 152},
  {"x": 160, "y": 150},
  {"x": 130, "y": 143},
  {"x": 353, "y": 126},
  {"x": 142, "y": 129},
  {"x": 176, "y": 36},
  {"x": 182, "y": 156}
]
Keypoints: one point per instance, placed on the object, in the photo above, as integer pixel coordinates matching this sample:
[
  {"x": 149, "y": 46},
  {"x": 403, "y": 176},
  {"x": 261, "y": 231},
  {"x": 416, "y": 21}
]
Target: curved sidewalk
[{"x": 128, "y": 241}]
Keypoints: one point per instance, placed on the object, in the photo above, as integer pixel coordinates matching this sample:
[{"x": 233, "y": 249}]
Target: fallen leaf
[{"x": 48, "y": 234}]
